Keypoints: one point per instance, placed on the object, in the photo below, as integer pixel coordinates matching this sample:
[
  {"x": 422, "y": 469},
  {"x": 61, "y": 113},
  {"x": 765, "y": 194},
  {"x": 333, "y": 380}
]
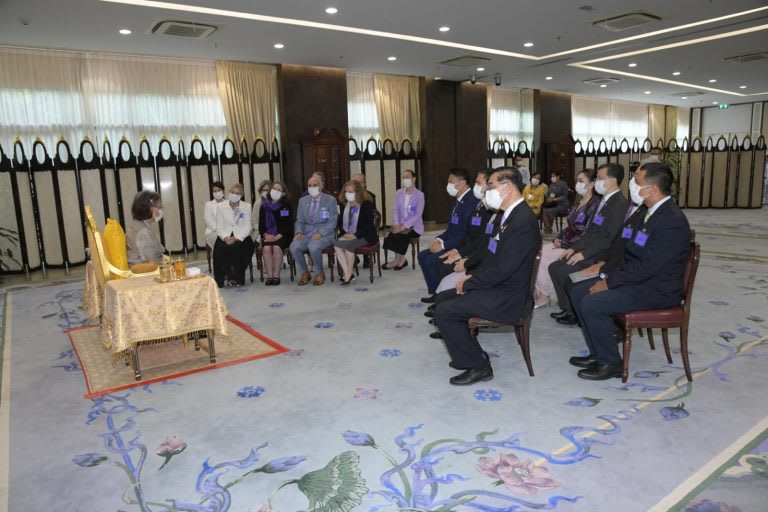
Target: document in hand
[{"x": 583, "y": 275}]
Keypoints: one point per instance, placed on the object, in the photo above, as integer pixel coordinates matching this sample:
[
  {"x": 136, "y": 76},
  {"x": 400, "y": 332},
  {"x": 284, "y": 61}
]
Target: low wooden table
[{"x": 141, "y": 310}]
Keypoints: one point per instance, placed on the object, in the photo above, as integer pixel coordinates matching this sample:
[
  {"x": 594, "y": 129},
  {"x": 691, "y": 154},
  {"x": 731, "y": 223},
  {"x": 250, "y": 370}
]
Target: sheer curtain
[
  {"x": 249, "y": 97},
  {"x": 597, "y": 118},
  {"x": 362, "y": 116},
  {"x": 72, "y": 94},
  {"x": 683, "y": 124},
  {"x": 510, "y": 115}
]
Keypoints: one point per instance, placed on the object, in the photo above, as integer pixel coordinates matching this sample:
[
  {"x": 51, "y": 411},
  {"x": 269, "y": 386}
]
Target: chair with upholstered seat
[
  {"x": 415, "y": 249},
  {"x": 522, "y": 326},
  {"x": 665, "y": 319}
]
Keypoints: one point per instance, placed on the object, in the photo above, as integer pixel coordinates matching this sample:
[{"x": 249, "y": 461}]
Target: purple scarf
[
  {"x": 351, "y": 214},
  {"x": 270, "y": 208}
]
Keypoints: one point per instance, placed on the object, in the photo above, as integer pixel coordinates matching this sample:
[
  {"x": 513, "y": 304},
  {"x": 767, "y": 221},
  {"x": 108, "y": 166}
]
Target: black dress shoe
[
  {"x": 472, "y": 376},
  {"x": 432, "y": 307},
  {"x": 436, "y": 335},
  {"x": 589, "y": 361},
  {"x": 601, "y": 372},
  {"x": 432, "y": 321},
  {"x": 429, "y": 314},
  {"x": 568, "y": 320},
  {"x": 559, "y": 314},
  {"x": 428, "y": 300}
]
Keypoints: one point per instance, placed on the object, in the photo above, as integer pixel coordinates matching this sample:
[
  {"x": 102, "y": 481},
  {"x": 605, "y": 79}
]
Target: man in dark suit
[
  {"x": 458, "y": 223},
  {"x": 596, "y": 241},
  {"x": 648, "y": 275},
  {"x": 500, "y": 288}
]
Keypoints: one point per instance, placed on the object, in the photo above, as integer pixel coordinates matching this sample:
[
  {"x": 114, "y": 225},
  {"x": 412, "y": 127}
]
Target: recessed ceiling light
[
  {"x": 528, "y": 44},
  {"x": 279, "y": 46},
  {"x": 392, "y": 58},
  {"x": 632, "y": 65},
  {"x": 547, "y": 78},
  {"x": 684, "y": 98},
  {"x": 444, "y": 29},
  {"x": 331, "y": 10},
  {"x": 647, "y": 92},
  {"x": 481, "y": 69},
  {"x": 676, "y": 73},
  {"x": 603, "y": 85},
  {"x": 742, "y": 87},
  {"x": 125, "y": 31},
  {"x": 713, "y": 80}
]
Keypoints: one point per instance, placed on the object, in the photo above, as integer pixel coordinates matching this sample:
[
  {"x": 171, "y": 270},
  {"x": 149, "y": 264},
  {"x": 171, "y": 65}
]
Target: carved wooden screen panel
[{"x": 70, "y": 198}]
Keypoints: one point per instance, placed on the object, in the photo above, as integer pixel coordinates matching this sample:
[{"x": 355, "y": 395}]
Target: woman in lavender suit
[{"x": 409, "y": 206}]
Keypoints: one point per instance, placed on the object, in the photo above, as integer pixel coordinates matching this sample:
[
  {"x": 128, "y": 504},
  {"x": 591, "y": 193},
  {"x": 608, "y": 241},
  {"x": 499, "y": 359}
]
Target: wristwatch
[{"x": 603, "y": 276}]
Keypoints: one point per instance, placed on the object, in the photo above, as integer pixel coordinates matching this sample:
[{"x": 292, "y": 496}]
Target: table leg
[
  {"x": 135, "y": 362},
  {"x": 211, "y": 347}
]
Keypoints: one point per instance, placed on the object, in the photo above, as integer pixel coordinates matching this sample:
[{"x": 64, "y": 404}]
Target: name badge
[
  {"x": 411, "y": 208},
  {"x": 599, "y": 220},
  {"x": 492, "y": 245},
  {"x": 325, "y": 214},
  {"x": 476, "y": 220},
  {"x": 530, "y": 197},
  {"x": 552, "y": 194},
  {"x": 454, "y": 219},
  {"x": 641, "y": 238},
  {"x": 626, "y": 233},
  {"x": 489, "y": 228},
  {"x": 580, "y": 218},
  {"x": 284, "y": 213}
]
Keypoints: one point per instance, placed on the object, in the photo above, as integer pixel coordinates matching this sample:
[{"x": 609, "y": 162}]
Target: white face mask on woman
[
  {"x": 349, "y": 196},
  {"x": 159, "y": 214},
  {"x": 234, "y": 198},
  {"x": 407, "y": 182},
  {"x": 535, "y": 182},
  {"x": 581, "y": 188},
  {"x": 275, "y": 194},
  {"x": 218, "y": 195}
]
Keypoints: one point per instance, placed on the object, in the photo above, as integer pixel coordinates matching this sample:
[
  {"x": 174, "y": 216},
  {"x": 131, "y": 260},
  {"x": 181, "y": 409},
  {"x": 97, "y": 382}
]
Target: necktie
[
  {"x": 647, "y": 216},
  {"x": 313, "y": 209}
]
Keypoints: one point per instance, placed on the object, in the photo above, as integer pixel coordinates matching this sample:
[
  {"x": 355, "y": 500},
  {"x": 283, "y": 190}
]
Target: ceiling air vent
[
  {"x": 750, "y": 57},
  {"x": 602, "y": 80},
  {"x": 467, "y": 61},
  {"x": 183, "y": 29},
  {"x": 689, "y": 94},
  {"x": 626, "y": 21}
]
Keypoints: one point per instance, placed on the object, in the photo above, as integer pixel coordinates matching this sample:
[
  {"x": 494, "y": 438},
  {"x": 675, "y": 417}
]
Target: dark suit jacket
[
  {"x": 480, "y": 248},
  {"x": 366, "y": 227},
  {"x": 456, "y": 232},
  {"x": 502, "y": 283},
  {"x": 283, "y": 219},
  {"x": 475, "y": 231},
  {"x": 597, "y": 239},
  {"x": 616, "y": 252},
  {"x": 657, "y": 264}
]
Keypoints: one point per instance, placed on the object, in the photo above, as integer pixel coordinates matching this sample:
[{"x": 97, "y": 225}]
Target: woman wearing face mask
[
  {"x": 217, "y": 191},
  {"x": 234, "y": 247},
  {"x": 407, "y": 212},
  {"x": 276, "y": 230},
  {"x": 534, "y": 193},
  {"x": 356, "y": 227},
  {"x": 262, "y": 195},
  {"x": 141, "y": 238},
  {"x": 580, "y": 215}
]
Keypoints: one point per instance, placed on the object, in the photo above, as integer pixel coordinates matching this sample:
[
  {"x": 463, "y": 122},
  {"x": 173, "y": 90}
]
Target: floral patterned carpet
[{"x": 359, "y": 415}]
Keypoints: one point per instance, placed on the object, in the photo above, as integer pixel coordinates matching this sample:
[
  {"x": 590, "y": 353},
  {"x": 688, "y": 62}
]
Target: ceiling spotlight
[
  {"x": 480, "y": 69},
  {"x": 391, "y": 58},
  {"x": 497, "y": 79},
  {"x": 676, "y": 73},
  {"x": 444, "y": 29},
  {"x": 279, "y": 46},
  {"x": 632, "y": 65},
  {"x": 742, "y": 87},
  {"x": 713, "y": 80},
  {"x": 473, "y": 78},
  {"x": 647, "y": 92},
  {"x": 603, "y": 86},
  {"x": 438, "y": 78},
  {"x": 125, "y": 31},
  {"x": 684, "y": 98},
  {"x": 714, "y": 103},
  {"x": 331, "y": 10},
  {"x": 528, "y": 44},
  {"x": 547, "y": 78}
]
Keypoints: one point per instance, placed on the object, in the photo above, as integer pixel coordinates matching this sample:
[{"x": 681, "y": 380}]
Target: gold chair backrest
[{"x": 96, "y": 251}]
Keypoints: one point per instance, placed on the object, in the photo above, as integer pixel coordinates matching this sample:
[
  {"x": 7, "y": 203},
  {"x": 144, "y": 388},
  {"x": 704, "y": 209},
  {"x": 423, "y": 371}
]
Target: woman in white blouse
[
  {"x": 234, "y": 247},
  {"x": 217, "y": 191}
]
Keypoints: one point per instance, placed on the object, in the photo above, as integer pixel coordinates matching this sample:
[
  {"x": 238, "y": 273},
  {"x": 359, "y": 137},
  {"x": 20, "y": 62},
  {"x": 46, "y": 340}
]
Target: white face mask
[
  {"x": 634, "y": 192},
  {"x": 535, "y": 182},
  {"x": 407, "y": 182},
  {"x": 350, "y": 196},
  {"x": 477, "y": 190},
  {"x": 493, "y": 198},
  {"x": 600, "y": 187},
  {"x": 553, "y": 179},
  {"x": 159, "y": 214},
  {"x": 234, "y": 198},
  {"x": 275, "y": 194},
  {"x": 218, "y": 195},
  {"x": 452, "y": 190},
  {"x": 581, "y": 188},
  {"x": 314, "y": 191}
]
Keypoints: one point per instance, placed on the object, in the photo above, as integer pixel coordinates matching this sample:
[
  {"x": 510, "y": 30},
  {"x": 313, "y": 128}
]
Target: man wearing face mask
[
  {"x": 141, "y": 238},
  {"x": 458, "y": 223},
  {"x": 500, "y": 288},
  {"x": 315, "y": 230},
  {"x": 234, "y": 246},
  {"x": 556, "y": 201},
  {"x": 647, "y": 275},
  {"x": 595, "y": 243},
  {"x": 524, "y": 171},
  {"x": 217, "y": 191}
]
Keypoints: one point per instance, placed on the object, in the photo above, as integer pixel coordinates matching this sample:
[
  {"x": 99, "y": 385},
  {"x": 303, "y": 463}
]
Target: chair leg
[
  {"x": 250, "y": 268},
  {"x": 522, "y": 332},
  {"x": 291, "y": 265},
  {"x": 684, "y": 350},
  {"x": 414, "y": 248},
  {"x": 626, "y": 349},
  {"x": 640, "y": 331},
  {"x": 331, "y": 264},
  {"x": 386, "y": 256},
  {"x": 378, "y": 263},
  {"x": 665, "y": 338},
  {"x": 370, "y": 266},
  {"x": 260, "y": 265},
  {"x": 650, "y": 339}
]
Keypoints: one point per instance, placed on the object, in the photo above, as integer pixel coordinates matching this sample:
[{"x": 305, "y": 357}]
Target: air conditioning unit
[
  {"x": 601, "y": 80},
  {"x": 750, "y": 57},
  {"x": 626, "y": 21},
  {"x": 183, "y": 29},
  {"x": 467, "y": 61}
]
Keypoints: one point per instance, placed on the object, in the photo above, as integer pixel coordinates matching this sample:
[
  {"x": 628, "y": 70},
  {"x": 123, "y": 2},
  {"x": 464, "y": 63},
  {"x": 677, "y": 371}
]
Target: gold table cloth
[
  {"x": 141, "y": 309},
  {"x": 93, "y": 295}
]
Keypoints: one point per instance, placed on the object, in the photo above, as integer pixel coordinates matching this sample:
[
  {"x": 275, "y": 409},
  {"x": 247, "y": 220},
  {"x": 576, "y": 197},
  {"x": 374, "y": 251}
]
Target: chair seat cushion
[
  {"x": 367, "y": 249},
  {"x": 482, "y": 322},
  {"x": 653, "y": 317}
]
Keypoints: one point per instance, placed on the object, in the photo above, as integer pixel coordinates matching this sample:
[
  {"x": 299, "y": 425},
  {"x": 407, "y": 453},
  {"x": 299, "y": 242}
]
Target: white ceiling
[{"x": 553, "y": 27}]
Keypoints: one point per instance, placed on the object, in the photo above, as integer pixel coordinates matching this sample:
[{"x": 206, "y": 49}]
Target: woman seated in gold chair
[{"x": 143, "y": 243}]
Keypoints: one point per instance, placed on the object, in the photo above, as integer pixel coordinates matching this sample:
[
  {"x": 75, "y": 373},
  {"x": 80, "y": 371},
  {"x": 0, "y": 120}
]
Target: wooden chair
[
  {"x": 522, "y": 327},
  {"x": 371, "y": 250},
  {"x": 665, "y": 319},
  {"x": 415, "y": 249},
  {"x": 257, "y": 251}
]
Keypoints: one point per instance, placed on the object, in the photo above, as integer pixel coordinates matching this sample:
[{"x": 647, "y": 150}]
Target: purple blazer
[{"x": 410, "y": 219}]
